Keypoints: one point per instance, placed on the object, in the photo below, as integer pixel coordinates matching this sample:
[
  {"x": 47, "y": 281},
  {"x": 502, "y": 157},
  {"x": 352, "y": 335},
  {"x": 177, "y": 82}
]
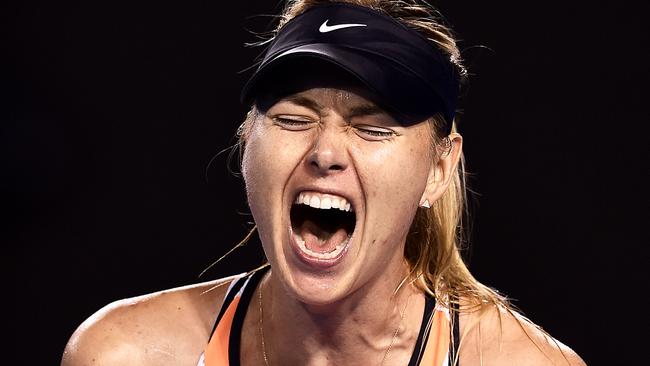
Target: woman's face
[{"x": 333, "y": 183}]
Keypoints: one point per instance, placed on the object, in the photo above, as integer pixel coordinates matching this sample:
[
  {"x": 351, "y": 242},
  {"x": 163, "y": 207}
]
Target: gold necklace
[
  {"x": 266, "y": 360},
  {"x": 401, "y": 318},
  {"x": 392, "y": 341}
]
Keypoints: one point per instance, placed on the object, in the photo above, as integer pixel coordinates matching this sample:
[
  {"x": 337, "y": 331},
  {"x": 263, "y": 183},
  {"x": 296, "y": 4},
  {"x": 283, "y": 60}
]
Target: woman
[{"x": 353, "y": 172}]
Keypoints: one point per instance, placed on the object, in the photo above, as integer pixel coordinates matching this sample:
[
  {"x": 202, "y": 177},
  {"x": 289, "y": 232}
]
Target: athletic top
[{"x": 432, "y": 348}]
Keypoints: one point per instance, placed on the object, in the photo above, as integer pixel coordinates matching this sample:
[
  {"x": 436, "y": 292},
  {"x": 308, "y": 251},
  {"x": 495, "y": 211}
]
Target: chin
[{"x": 310, "y": 284}]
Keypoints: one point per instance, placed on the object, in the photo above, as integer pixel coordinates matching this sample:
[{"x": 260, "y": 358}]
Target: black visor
[{"x": 405, "y": 70}]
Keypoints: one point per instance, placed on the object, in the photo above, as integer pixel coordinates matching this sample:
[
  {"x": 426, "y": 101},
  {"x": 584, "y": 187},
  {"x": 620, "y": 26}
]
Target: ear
[{"x": 442, "y": 171}]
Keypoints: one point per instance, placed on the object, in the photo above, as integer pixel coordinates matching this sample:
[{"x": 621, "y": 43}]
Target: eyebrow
[
  {"x": 304, "y": 102},
  {"x": 367, "y": 109}
]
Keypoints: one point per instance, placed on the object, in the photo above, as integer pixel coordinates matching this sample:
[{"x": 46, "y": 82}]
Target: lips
[{"x": 322, "y": 227}]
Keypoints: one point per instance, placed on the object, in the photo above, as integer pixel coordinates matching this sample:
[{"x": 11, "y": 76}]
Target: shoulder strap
[
  {"x": 245, "y": 293},
  {"x": 233, "y": 289},
  {"x": 423, "y": 336},
  {"x": 455, "y": 335},
  {"x": 223, "y": 347}
]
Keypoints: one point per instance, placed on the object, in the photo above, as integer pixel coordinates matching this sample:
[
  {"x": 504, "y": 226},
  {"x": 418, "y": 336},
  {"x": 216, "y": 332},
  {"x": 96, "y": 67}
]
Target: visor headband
[{"x": 405, "y": 69}]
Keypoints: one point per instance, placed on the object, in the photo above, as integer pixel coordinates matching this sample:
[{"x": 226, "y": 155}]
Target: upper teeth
[{"x": 323, "y": 201}]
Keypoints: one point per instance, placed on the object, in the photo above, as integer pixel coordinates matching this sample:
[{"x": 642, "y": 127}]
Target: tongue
[{"x": 320, "y": 240}]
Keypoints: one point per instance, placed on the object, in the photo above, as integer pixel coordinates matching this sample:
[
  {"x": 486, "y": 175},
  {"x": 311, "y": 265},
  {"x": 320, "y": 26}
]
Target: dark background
[{"x": 111, "y": 113}]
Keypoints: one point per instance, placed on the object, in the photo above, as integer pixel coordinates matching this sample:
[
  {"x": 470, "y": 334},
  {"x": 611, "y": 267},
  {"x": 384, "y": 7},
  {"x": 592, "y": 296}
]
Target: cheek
[
  {"x": 393, "y": 180},
  {"x": 259, "y": 169},
  {"x": 267, "y": 164},
  {"x": 396, "y": 176}
]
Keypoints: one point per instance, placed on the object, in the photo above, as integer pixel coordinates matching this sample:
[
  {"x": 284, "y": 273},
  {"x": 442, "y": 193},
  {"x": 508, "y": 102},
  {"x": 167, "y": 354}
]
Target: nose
[{"x": 328, "y": 154}]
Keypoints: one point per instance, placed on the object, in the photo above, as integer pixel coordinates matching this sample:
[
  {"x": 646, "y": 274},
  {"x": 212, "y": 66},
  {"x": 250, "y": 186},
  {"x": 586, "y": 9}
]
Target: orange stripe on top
[
  {"x": 216, "y": 352},
  {"x": 437, "y": 348},
  {"x": 435, "y": 353}
]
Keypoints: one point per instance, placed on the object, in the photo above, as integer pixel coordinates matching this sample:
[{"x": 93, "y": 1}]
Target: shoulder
[
  {"x": 499, "y": 336},
  {"x": 166, "y": 327}
]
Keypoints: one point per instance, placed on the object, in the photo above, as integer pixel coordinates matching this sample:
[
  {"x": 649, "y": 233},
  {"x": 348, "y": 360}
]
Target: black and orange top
[{"x": 434, "y": 345}]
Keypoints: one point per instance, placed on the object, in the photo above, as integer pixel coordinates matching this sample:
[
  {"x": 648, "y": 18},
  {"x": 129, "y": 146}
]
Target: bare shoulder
[
  {"x": 168, "y": 327},
  {"x": 498, "y": 336}
]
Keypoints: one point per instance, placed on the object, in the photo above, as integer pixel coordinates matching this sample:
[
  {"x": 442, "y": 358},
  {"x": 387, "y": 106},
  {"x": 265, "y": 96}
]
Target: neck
[{"x": 355, "y": 330}]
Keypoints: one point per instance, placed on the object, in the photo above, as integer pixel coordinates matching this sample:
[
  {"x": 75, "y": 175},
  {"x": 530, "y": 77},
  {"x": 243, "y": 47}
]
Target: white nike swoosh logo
[{"x": 324, "y": 28}]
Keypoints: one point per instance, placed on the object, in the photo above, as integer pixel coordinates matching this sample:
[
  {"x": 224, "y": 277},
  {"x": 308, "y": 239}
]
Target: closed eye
[
  {"x": 293, "y": 123},
  {"x": 374, "y": 133}
]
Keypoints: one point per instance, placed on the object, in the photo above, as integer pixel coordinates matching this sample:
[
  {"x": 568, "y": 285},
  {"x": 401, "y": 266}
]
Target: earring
[{"x": 425, "y": 204}]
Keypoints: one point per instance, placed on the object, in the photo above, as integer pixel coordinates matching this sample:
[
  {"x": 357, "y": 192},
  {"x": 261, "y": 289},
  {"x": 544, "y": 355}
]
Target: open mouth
[{"x": 322, "y": 225}]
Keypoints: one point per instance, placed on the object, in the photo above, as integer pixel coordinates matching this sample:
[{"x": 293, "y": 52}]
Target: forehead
[{"x": 320, "y": 99}]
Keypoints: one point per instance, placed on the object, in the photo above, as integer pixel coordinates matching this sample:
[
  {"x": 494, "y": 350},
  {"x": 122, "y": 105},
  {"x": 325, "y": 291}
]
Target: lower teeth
[{"x": 328, "y": 255}]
